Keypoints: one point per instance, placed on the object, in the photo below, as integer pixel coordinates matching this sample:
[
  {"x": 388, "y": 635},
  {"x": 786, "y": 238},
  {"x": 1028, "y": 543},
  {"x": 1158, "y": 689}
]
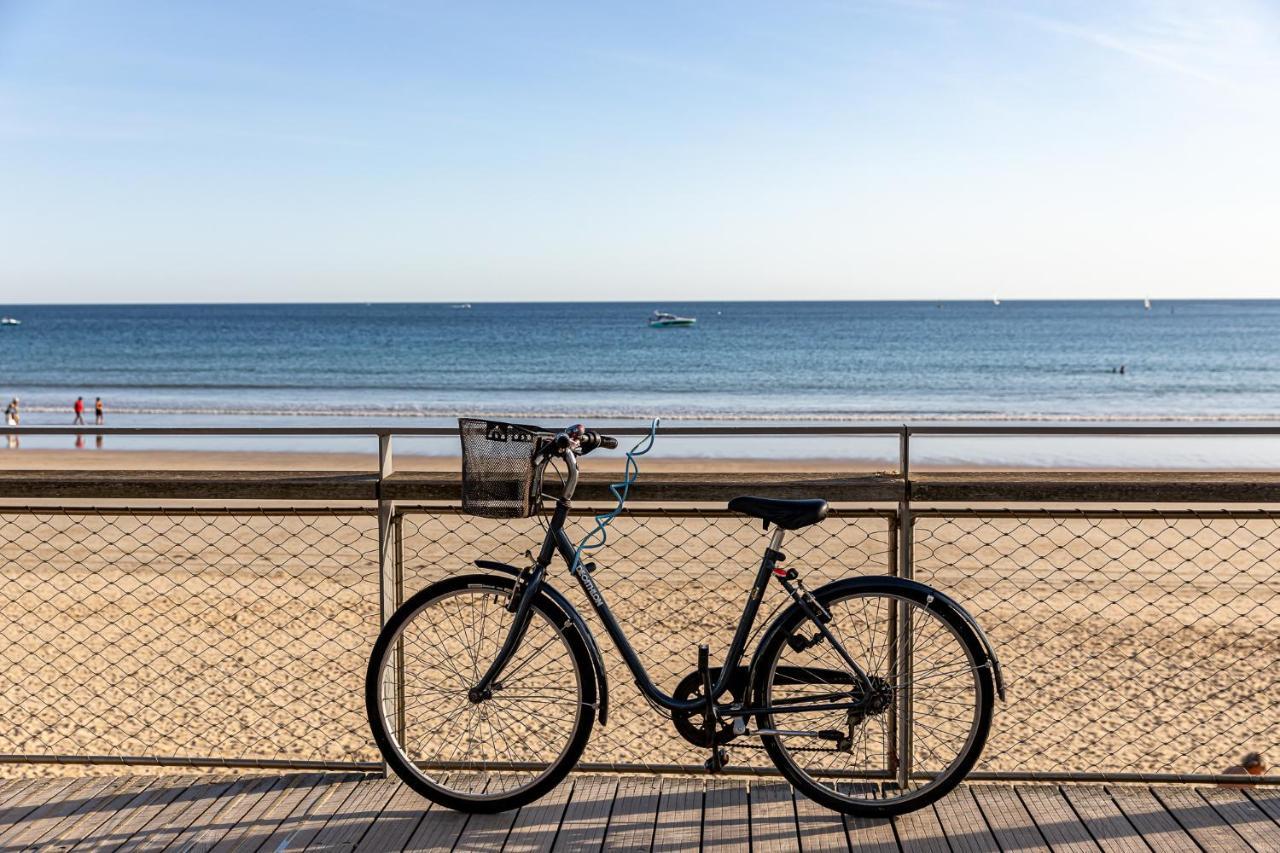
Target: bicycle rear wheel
[
  {"x": 499, "y": 753},
  {"x": 848, "y": 760}
]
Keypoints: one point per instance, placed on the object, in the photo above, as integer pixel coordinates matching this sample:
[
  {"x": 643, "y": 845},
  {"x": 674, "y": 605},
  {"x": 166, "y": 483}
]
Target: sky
[{"x": 220, "y": 150}]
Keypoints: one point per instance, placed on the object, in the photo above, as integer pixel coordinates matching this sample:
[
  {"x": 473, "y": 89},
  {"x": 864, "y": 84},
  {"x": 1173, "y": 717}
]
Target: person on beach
[
  {"x": 1251, "y": 765},
  {"x": 79, "y": 409},
  {"x": 11, "y": 418},
  {"x": 97, "y": 411}
]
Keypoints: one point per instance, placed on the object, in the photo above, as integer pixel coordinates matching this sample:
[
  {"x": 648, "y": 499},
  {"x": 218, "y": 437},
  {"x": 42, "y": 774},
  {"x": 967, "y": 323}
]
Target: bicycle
[{"x": 483, "y": 689}]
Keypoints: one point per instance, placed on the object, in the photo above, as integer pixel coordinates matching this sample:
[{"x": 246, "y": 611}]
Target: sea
[{"x": 1100, "y": 363}]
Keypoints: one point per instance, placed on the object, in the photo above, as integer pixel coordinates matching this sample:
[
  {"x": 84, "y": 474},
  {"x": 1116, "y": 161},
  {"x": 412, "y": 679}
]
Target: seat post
[{"x": 778, "y": 535}]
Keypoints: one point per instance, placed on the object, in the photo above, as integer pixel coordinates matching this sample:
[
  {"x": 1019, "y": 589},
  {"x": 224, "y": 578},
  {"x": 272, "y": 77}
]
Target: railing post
[
  {"x": 903, "y": 626},
  {"x": 891, "y": 732},
  {"x": 387, "y": 565},
  {"x": 398, "y": 598}
]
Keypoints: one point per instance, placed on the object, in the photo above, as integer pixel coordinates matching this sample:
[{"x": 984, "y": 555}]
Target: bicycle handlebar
[{"x": 579, "y": 440}]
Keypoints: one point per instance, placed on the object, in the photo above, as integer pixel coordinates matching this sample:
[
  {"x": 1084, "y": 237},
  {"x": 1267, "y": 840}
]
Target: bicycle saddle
[{"x": 789, "y": 515}]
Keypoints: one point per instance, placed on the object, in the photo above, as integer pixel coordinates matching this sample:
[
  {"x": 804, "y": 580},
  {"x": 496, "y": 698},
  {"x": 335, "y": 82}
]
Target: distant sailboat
[
  {"x": 1146, "y": 303},
  {"x": 995, "y": 300}
]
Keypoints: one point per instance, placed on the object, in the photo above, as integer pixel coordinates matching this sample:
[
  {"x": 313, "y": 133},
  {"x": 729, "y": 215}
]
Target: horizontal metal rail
[
  {"x": 966, "y": 512},
  {"x": 812, "y": 430},
  {"x": 649, "y": 511},
  {"x": 607, "y": 767}
]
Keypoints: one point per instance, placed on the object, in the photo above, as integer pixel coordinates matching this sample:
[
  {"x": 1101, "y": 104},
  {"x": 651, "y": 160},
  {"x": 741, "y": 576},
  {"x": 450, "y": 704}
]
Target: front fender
[{"x": 597, "y": 660}]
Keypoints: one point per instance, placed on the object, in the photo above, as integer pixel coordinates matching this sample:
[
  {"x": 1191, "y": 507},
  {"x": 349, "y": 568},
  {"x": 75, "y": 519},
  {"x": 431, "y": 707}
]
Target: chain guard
[{"x": 689, "y": 723}]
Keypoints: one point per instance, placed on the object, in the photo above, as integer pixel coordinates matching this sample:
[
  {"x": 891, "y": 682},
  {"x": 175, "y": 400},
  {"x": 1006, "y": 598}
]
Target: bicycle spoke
[{"x": 528, "y": 721}]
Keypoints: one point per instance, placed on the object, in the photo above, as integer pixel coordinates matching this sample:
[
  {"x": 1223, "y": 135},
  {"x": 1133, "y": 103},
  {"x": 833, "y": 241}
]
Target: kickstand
[{"x": 719, "y": 756}]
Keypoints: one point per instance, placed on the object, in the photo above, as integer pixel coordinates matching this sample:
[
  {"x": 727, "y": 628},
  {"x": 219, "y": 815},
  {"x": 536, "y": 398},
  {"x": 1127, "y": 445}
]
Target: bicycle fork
[{"x": 520, "y": 603}]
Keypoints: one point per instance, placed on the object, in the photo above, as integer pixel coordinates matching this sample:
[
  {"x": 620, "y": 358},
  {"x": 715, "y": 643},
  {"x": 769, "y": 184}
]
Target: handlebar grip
[{"x": 608, "y": 442}]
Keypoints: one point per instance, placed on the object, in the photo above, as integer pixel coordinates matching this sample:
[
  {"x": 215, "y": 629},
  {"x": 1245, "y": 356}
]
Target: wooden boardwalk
[{"x": 354, "y": 812}]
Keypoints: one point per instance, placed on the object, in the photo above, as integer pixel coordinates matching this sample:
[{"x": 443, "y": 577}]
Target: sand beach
[{"x": 1130, "y": 645}]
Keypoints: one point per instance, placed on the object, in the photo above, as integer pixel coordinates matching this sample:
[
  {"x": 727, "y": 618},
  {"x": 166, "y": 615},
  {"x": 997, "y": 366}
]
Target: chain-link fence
[
  {"x": 202, "y": 634},
  {"x": 1132, "y": 642}
]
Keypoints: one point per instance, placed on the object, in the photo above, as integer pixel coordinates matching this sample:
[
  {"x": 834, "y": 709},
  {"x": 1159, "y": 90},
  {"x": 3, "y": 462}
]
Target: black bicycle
[{"x": 872, "y": 695}]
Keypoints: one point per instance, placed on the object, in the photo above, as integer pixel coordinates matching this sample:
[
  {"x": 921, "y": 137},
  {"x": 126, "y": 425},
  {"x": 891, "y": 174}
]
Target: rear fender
[
  {"x": 597, "y": 660},
  {"x": 913, "y": 589}
]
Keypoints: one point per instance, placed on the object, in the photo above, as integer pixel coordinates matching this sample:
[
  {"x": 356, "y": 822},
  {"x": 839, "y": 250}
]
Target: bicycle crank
[{"x": 690, "y": 724}]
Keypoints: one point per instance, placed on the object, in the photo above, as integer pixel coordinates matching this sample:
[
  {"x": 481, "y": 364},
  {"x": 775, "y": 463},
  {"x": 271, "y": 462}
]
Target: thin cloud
[{"x": 1223, "y": 44}]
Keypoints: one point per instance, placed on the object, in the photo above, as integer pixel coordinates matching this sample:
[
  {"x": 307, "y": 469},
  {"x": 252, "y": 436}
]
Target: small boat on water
[
  {"x": 663, "y": 320},
  {"x": 10, "y": 321},
  {"x": 1146, "y": 303}
]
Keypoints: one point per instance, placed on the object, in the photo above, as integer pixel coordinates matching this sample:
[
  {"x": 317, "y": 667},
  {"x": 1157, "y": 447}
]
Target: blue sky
[{"x": 337, "y": 151}]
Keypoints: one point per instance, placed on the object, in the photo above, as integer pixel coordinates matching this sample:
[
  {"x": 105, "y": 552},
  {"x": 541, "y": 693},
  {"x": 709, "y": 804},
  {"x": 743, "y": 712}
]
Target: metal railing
[{"x": 1137, "y": 642}]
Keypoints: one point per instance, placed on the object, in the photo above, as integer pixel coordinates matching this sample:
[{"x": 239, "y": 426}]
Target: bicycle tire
[
  {"x": 775, "y": 646},
  {"x": 416, "y": 773}
]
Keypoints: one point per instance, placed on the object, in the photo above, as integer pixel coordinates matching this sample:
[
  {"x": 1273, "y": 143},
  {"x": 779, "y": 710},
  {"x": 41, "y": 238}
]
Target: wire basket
[{"x": 499, "y": 479}]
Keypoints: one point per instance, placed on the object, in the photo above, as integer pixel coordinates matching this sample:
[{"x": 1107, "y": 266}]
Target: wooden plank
[
  {"x": 438, "y": 831},
  {"x": 398, "y": 821},
  {"x": 773, "y": 817},
  {"x": 633, "y": 821},
  {"x": 871, "y": 834},
  {"x": 67, "y": 805},
  {"x": 1242, "y": 815},
  {"x": 267, "y": 813},
  {"x": 485, "y": 832},
  {"x": 225, "y": 813},
  {"x": 726, "y": 816},
  {"x": 537, "y": 824},
  {"x": 407, "y": 486},
  {"x": 587, "y": 817},
  {"x": 10, "y": 787},
  {"x": 1200, "y": 819},
  {"x": 190, "y": 485},
  {"x": 325, "y": 800},
  {"x": 1106, "y": 823},
  {"x": 120, "y": 793},
  {"x": 185, "y": 809},
  {"x": 1008, "y": 819},
  {"x": 123, "y": 823},
  {"x": 962, "y": 822},
  {"x": 1097, "y": 486},
  {"x": 345, "y": 829},
  {"x": 708, "y": 487},
  {"x": 28, "y": 800},
  {"x": 1265, "y": 798},
  {"x": 679, "y": 825},
  {"x": 921, "y": 832},
  {"x": 1058, "y": 823},
  {"x": 1153, "y": 822},
  {"x": 820, "y": 829},
  {"x": 426, "y": 485}
]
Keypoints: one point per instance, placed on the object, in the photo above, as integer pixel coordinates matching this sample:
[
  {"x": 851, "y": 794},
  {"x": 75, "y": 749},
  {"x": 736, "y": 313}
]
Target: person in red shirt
[{"x": 79, "y": 411}]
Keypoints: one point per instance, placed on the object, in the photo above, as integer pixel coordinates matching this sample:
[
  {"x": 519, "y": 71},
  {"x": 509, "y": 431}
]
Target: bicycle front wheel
[
  {"x": 932, "y": 699},
  {"x": 498, "y": 753}
]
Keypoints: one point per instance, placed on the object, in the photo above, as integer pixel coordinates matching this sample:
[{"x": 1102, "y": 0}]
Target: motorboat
[
  {"x": 10, "y": 321},
  {"x": 663, "y": 320}
]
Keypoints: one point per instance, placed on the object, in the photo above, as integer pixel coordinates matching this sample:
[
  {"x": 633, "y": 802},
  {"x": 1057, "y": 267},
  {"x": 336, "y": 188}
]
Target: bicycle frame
[{"x": 556, "y": 541}]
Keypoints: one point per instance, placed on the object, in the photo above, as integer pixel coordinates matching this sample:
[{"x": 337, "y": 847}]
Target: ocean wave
[{"x": 621, "y": 413}]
